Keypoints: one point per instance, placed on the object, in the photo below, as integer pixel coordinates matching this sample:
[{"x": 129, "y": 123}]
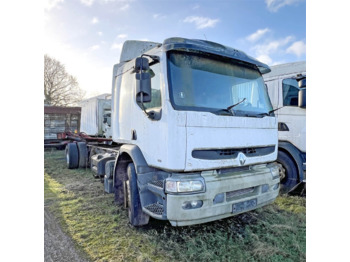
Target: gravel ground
[{"x": 58, "y": 245}]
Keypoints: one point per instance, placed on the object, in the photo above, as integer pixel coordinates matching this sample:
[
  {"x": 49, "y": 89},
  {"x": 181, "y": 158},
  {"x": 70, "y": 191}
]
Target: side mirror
[
  {"x": 143, "y": 81},
  {"x": 141, "y": 63},
  {"x": 302, "y": 98},
  {"x": 143, "y": 87}
]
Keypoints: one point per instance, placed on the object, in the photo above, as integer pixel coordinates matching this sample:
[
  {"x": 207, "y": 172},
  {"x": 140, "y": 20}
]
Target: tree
[{"x": 60, "y": 88}]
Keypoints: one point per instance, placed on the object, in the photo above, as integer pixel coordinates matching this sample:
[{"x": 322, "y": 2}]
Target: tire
[
  {"x": 72, "y": 155},
  {"x": 83, "y": 154},
  {"x": 288, "y": 172},
  {"x": 136, "y": 216}
]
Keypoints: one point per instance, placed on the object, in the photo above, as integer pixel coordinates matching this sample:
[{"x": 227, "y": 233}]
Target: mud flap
[{"x": 299, "y": 189}]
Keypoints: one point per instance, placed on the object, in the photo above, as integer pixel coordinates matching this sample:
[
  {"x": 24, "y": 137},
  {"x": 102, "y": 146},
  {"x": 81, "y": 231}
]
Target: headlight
[
  {"x": 192, "y": 204},
  {"x": 189, "y": 186},
  {"x": 186, "y": 186},
  {"x": 274, "y": 172}
]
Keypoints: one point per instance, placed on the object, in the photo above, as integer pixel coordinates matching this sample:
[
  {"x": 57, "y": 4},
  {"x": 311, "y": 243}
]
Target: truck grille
[
  {"x": 231, "y": 153},
  {"x": 157, "y": 183},
  {"x": 237, "y": 193},
  {"x": 155, "y": 208}
]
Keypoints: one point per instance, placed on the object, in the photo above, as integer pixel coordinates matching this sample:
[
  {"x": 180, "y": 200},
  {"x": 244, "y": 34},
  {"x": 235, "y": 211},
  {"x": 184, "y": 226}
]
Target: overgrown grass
[{"x": 273, "y": 233}]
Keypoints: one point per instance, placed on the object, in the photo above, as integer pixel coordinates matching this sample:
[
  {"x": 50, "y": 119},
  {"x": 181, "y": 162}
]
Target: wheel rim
[
  {"x": 282, "y": 172},
  {"x": 67, "y": 157}
]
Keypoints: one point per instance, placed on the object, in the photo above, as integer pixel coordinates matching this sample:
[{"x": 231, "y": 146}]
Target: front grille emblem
[{"x": 242, "y": 158}]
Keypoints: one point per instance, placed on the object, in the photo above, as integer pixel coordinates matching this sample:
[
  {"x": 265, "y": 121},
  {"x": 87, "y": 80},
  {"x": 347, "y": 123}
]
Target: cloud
[
  {"x": 50, "y": 4},
  {"x": 196, "y": 6},
  {"x": 117, "y": 46},
  {"x": 298, "y": 48},
  {"x": 124, "y": 7},
  {"x": 201, "y": 22},
  {"x": 265, "y": 59},
  {"x": 272, "y": 46},
  {"x": 159, "y": 16},
  {"x": 94, "y": 20},
  {"x": 263, "y": 52},
  {"x": 257, "y": 35},
  {"x": 94, "y": 47},
  {"x": 275, "y": 5},
  {"x": 100, "y": 33},
  {"x": 87, "y": 2}
]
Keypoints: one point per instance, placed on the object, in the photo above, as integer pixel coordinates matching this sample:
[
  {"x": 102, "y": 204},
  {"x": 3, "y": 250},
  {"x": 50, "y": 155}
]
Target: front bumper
[{"x": 237, "y": 188}]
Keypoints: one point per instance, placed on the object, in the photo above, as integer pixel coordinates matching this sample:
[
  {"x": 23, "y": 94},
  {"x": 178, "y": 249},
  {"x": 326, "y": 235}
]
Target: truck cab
[
  {"x": 197, "y": 137},
  {"x": 286, "y": 85}
]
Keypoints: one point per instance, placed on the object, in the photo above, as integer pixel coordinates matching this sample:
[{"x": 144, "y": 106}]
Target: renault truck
[
  {"x": 194, "y": 133},
  {"x": 286, "y": 85}
]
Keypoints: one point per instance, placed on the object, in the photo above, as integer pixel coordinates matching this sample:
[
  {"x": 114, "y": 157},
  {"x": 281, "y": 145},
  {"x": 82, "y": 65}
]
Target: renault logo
[{"x": 242, "y": 158}]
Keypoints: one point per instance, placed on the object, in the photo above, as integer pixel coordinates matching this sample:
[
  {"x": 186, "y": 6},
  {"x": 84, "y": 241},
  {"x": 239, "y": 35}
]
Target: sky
[
  {"x": 87, "y": 35},
  {"x": 68, "y": 31}
]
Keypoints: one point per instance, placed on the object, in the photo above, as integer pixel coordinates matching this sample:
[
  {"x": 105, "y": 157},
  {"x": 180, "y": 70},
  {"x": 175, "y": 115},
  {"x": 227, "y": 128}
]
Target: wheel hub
[{"x": 281, "y": 171}]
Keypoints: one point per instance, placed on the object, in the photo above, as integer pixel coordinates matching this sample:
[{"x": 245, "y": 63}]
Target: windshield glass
[{"x": 199, "y": 82}]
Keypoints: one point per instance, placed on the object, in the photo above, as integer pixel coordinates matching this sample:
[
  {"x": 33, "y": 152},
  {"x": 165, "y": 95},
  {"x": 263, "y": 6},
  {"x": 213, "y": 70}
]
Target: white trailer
[
  {"x": 96, "y": 116},
  {"x": 194, "y": 139},
  {"x": 286, "y": 85}
]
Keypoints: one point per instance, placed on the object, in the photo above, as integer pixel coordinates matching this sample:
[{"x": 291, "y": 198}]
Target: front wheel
[
  {"x": 136, "y": 216},
  {"x": 288, "y": 172}
]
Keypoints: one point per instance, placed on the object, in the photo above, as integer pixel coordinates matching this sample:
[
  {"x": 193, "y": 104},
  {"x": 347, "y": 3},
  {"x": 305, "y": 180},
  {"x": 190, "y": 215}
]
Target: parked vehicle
[
  {"x": 286, "y": 85},
  {"x": 96, "y": 116},
  {"x": 194, "y": 135}
]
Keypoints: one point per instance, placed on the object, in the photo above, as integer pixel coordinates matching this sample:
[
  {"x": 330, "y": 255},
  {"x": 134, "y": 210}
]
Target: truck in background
[
  {"x": 194, "y": 135},
  {"x": 96, "y": 116},
  {"x": 286, "y": 85},
  {"x": 94, "y": 122}
]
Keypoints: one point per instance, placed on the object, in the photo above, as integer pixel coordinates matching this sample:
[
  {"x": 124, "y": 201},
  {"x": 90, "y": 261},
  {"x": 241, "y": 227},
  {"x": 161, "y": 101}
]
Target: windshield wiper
[
  {"x": 269, "y": 113},
  {"x": 220, "y": 111},
  {"x": 228, "y": 109}
]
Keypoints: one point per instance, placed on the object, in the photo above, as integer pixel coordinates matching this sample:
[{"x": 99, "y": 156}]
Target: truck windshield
[{"x": 199, "y": 82}]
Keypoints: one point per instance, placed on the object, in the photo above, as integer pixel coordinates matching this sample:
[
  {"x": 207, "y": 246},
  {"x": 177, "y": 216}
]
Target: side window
[
  {"x": 290, "y": 92},
  {"x": 155, "y": 81}
]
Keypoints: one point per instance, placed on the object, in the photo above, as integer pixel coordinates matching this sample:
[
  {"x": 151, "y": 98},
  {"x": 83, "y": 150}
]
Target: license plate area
[{"x": 244, "y": 205}]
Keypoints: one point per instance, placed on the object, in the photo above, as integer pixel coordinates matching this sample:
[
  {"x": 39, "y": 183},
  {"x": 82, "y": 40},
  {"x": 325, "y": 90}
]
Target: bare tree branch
[{"x": 60, "y": 88}]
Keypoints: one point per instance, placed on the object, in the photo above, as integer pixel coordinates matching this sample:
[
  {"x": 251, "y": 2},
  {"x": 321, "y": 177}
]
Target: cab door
[{"x": 291, "y": 118}]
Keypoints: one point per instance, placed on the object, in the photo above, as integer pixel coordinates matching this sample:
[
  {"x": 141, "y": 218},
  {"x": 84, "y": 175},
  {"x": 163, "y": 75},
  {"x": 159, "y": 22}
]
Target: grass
[{"x": 100, "y": 229}]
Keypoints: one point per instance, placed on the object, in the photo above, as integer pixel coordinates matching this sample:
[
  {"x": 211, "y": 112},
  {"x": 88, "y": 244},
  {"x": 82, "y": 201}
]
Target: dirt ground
[{"x": 58, "y": 246}]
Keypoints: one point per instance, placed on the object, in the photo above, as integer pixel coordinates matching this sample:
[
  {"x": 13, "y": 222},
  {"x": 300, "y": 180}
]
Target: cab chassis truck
[
  {"x": 286, "y": 85},
  {"x": 194, "y": 135}
]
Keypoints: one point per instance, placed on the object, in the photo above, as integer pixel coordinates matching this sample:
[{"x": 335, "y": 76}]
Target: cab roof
[
  {"x": 177, "y": 43},
  {"x": 134, "y": 48}
]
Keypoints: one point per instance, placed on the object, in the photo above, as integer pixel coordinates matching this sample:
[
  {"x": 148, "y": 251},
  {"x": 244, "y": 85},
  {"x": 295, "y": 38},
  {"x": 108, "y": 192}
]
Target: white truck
[
  {"x": 286, "y": 85},
  {"x": 96, "y": 116},
  {"x": 194, "y": 135}
]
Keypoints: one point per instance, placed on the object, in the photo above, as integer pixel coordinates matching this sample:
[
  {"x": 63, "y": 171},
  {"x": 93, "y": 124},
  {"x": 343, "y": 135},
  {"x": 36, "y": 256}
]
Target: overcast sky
[{"x": 87, "y": 35}]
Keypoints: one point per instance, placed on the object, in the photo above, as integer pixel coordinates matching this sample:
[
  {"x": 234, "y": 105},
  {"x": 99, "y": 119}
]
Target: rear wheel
[
  {"x": 136, "y": 216},
  {"x": 72, "y": 155},
  {"x": 288, "y": 172},
  {"x": 83, "y": 154}
]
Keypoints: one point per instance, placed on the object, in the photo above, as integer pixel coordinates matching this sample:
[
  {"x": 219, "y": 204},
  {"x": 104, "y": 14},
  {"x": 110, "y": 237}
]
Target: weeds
[{"x": 274, "y": 233}]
